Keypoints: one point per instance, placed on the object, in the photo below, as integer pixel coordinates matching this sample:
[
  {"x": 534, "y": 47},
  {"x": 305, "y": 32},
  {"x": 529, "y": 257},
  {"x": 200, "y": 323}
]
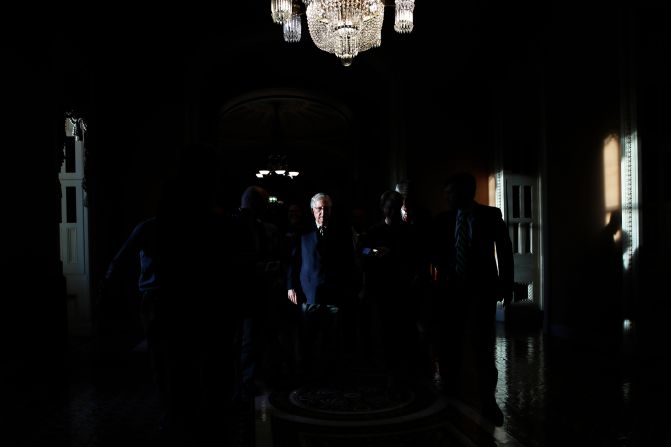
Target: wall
[{"x": 33, "y": 331}]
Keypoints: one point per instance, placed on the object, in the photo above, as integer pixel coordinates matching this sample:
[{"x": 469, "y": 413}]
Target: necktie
[
  {"x": 322, "y": 231},
  {"x": 462, "y": 244}
]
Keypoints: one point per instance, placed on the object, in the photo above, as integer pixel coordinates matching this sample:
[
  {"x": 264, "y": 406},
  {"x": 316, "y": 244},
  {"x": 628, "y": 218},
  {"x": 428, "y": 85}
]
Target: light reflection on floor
[{"x": 555, "y": 392}]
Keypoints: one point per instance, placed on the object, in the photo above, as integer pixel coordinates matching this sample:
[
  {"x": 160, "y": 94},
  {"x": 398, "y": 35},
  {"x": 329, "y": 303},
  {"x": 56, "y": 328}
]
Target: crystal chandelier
[{"x": 342, "y": 27}]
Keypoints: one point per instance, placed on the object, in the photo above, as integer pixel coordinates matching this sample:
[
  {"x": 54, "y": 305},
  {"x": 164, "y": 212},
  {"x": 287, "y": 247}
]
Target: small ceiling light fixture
[
  {"x": 342, "y": 27},
  {"x": 277, "y": 166}
]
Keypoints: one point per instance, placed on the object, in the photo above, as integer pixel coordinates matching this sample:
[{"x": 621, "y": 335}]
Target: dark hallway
[{"x": 560, "y": 111}]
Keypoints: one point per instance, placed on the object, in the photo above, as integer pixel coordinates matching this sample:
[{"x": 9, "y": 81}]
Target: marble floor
[{"x": 552, "y": 391}]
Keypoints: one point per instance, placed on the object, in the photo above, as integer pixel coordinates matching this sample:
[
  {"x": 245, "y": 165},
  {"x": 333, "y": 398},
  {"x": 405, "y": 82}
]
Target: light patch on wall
[
  {"x": 491, "y": 189},
  {"x": 611, "y": 175},
  {"x": 611, "y": 180}
]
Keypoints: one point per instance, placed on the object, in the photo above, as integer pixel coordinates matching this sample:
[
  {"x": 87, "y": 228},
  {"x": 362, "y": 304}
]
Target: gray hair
[{"x": 319, "y": 196}]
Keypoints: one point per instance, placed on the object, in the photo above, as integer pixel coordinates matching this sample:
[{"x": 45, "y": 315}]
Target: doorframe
[{"x": 500, "y": 200}]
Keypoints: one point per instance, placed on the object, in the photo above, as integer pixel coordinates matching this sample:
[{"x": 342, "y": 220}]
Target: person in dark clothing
[
  {"x": 262, "y": 243},
  {"x": 390, "y": 264},
  {"x": 198, "y": 257},
  {"x": 412, "y": 211},
  {"x": 419, "y": 218},
  {"x": 319, "y": 281},
  {"x": 141, "y": 246},
  {"x": 605, "y": 306},
  {"x": 474, "y": 261}
]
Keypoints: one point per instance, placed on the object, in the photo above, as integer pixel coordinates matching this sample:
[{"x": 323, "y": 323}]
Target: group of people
[
  {"x": 410, "y": 295},
  {"x": 425, "y": 289}
]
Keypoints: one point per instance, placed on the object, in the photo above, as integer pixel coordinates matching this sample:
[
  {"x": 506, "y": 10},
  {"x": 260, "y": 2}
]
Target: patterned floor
[{"x": 552, "y": 393}]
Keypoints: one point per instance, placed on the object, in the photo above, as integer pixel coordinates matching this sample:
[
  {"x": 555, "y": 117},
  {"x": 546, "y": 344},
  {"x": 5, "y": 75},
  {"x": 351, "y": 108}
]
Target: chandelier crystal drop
[
  {"x": 292, "y": 28},
  {"x": 280, "y": 10},
  {"x": 403, "y": 19},
  {"x": 348, "y": 27}
]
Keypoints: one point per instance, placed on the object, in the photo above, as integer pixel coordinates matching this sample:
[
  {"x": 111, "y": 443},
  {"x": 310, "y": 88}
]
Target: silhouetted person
[
  {"x": 198, "y": 258},
  {"x": 138, "y": 253},
  {"x": 607, "y": 284},
  {"x": 319, "y": 282},
  {"x": 474, "y": 261},
  {"x": 262, "y": 252},
  {"x": 390, "y": 265},
  {"x": 412, "y": 211},
  {"x": 419, "y": 218}
]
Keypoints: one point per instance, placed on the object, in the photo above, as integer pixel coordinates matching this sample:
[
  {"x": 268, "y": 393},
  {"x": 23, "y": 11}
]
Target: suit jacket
[
  {"x": 321, "y": 269},
  {"x": 490, "y": 262}
]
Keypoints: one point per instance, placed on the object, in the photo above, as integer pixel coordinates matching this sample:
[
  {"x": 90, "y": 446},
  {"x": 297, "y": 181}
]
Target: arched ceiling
[{"x": 296, "y": 119}]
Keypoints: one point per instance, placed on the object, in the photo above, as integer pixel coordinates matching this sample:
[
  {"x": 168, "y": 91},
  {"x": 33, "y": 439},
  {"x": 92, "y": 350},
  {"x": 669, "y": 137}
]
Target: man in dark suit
[
  {"x": 319, "y": 282},
  {"x": 474, "y": 263}
]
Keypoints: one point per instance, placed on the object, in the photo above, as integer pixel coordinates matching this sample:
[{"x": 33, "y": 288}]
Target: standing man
[
  {"x": 418, "y": 218},
  {"x": 474, "y": 263},
  {"x": 319, "y": 282},
  {"x": 141, "y": 246},
  {"x": 261, "y": 253}
]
